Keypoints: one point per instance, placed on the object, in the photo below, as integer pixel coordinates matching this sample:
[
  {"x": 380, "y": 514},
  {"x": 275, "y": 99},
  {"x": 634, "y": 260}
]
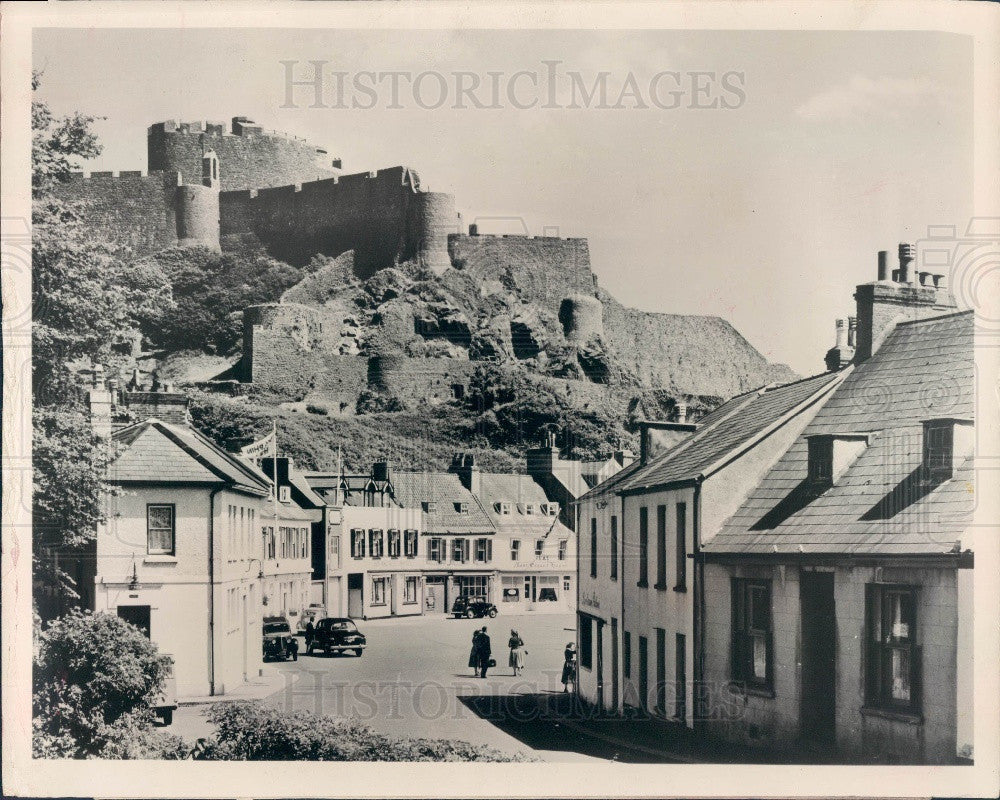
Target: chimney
[
  {"x": 840, "y": 326},
  {"x": 167, "y": 406},
  {"x": 852, "y": 332},
  {"x": 881, "y": 304},
  {"x": 682, "y": 412},
  {"x": 883, "y": 265},
  {"x": 473, "y": 229},
  {"x": 464, "y": 465},
  {"x": 380, "y": 470},
  {"x": 99, "y": 400},
  {"x": 624, "y": 457},
  {"x": 841, "y": 354}
]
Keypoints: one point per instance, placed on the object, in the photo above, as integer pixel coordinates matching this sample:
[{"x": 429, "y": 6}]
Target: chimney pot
[
  {"x": 682, "y": 412},
  {"x": 906, "y": 255},
  {"x": 883, "y": 265},
  {"x": 852, "y": 331},
  {"x": 473, "y": 229},
  {"x": 840, "y": 327}
]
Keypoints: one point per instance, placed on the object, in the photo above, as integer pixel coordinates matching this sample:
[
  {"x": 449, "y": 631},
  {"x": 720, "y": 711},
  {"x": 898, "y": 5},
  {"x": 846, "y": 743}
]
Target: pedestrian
[
  {"x": 310, "y": 633},
  {"x": 569, "y": 666},
  {"x": 293, "y": 647},
  {"x": 484, "y": 652},
  {"x": 517, "y": 652},
  {"x": 474, "y": 653}
]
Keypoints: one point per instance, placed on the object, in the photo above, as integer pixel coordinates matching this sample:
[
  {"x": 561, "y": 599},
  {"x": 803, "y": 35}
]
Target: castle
[{"x": 525, "y": 301}]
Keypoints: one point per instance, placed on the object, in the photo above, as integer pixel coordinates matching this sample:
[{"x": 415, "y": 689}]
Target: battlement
[
  {"x": 174, "y": 178},
  {"x": 239, "y": 126},
  {"x": 519, "y": 236}
]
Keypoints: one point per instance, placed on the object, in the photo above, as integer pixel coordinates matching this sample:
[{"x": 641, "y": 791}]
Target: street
[{"x": 413, "y": 680}]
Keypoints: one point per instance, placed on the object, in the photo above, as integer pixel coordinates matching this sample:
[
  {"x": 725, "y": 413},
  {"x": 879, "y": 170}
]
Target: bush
[
  {"x": 250, "y": 731},
  {"x": 371, "y": 402},
  {"x": 95, "y": 677}
]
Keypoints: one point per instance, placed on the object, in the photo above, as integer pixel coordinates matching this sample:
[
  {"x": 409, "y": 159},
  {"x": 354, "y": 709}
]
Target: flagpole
[
  {"x": 274, "y": 467},
  {"x": 340, "y": 469}
]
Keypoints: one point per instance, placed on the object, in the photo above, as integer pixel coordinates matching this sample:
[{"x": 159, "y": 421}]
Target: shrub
[
  {"x": 95, "y": 677},
  {"x": 250, "y": 731}
]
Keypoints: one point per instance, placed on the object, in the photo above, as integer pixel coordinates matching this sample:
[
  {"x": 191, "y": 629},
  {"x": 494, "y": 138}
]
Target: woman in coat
[
  {"x": 474, "y": 653},
  {"x": 517, "y": 652}
]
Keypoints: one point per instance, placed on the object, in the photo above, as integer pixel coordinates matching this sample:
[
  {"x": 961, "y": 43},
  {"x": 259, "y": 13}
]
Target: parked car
[
  {"x": 314, "y": 614},
  {"x": 471, "y": 606},
  {"x": 336, "y": 635},
  {"x": 277, "y": 639},
  {"x": 165, "y": 703}
]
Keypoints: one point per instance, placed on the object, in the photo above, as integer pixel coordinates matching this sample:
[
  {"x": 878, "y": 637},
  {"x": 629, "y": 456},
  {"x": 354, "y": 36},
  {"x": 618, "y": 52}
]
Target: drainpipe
[
  {"x": 698, "y": 576},
  {"x": 621, "y": 580},
  {"x": 211, "y": 589}
]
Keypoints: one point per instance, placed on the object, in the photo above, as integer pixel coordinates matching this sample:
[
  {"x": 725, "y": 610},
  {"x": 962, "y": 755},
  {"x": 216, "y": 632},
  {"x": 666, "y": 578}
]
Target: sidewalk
[{"x": 254, "y": 689}]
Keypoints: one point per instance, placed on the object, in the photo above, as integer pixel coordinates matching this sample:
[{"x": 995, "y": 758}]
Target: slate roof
[
  {"x": 412, "y": 489},
  {"x": 518, "y": 490},
  {"x": 724, "y": 431},
  {"x": 160, "y": 452},
  {"x": 879, "y": 506}
]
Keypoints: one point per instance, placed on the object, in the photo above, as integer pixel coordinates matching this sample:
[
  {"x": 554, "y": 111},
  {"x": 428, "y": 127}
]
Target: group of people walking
[{"x": 481, "y": 656}]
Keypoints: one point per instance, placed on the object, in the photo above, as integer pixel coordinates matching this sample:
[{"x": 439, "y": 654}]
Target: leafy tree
[
  {"x": 95, "y": 679},
  {"x": 56, "y": 141},
  {"x": 209, "y": 289},
  {"x": 250, "y": 731}
]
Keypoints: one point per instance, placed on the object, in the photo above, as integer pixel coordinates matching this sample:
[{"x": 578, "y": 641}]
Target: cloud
[{"x": 862, "y": 95}]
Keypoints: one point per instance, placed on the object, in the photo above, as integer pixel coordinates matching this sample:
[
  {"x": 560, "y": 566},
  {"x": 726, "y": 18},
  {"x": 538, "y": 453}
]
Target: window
[
  {"x": 410, "y": 544},
  {"x": 430, "y": 507},
  {"x": 335, "y": 552},
  {"x": 305, "y": 542},
  {"x": 893, "y": 659},
  {"x": 643, "y": 656},
  {"x": 550, "y": 509},
  {"x": 435, "y": 550},
  {"x": 593, "y": 547},
  {"x": 661, "y": 671},
  {"x": 539, "y": 547},
  {"x": 378, "y": 591},
  {"x": 680, "y": 676},
  {"x": 752, "y": 644},
  {"x": 474, "y": 585},
  {"x": 284, "y": 494},
  {"x": 586, "y": 642},
  {"x": 375, "y": 543},
  {"x": 643, "y": 547},
  {"x": 460, "y": 550},
  {"x": 410, "y": 590},
  {"x": 357, "y": 543},
  {"x": 394, "y": 544},
  {"x": 567, "y": 579},
  {"x": 661, "y": 547},
  {"x": 614, "y": 548},
  {"x": 627, "y": 653},
  {"x": 503, "y": 508},
  {"x": 462, "y": 508},
  {"x": 563, "y": 547},
  {"x": 681, "y": 549},
  {"x": 270, "y": 542},
  {"x": 515, "y": 549},
  {"x": 484, "y": 550},
  {"x": 820, "y": 460},
  {"x": 160, "y": 529},
  {"x": 529, "y": 508}
]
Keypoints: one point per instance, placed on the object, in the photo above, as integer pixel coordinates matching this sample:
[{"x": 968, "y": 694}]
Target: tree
[
  {"x": 95, "y": 678},
  {"x": 55, "y": 141}
]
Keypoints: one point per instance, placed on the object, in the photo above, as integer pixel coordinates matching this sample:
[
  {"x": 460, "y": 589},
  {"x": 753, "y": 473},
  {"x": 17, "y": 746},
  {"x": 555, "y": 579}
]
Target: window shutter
[
  {"x": 354, "y": 544},
  {"x": 916, "y": 676},
  {"x": 489, "y": 549}
]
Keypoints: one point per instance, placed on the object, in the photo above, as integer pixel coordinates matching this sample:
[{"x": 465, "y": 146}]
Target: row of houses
[
  {"x": 200, "y": 544},
  {"x": 795, "y": 571}
]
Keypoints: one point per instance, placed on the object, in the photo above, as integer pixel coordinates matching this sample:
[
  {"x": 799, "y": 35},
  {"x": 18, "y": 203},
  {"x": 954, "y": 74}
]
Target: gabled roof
[
  {"x": 160, "y": 452},
  {"x": 519, "y": 491},
  {"x": 611, "y": 484},
  {"x": 412, "y": 489},
  {"x": 879, "y": 505},
  {"x": 722, "y": 433}
]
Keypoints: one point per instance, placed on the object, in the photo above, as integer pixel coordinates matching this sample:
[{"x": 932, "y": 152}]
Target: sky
[{"x": 767, "y": 214}]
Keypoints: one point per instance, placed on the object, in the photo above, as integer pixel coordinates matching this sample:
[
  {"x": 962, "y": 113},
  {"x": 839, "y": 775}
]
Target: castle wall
[
  {"x": 128, "y": 208},
  {"x": 250, "y": 158},
  {"x": 424, "y": 379},
  {"x": 432, "y": 217},
  {"x": 370, "y": 213},
  {"x": 198, "y": 216},
  {"x": 543, "y": 269}
]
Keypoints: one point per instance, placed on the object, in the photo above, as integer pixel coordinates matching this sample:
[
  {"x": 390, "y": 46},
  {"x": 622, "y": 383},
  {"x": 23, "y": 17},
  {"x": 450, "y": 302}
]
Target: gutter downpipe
[
  {"x": 699, "y": 615},
  {"x": 621, "y": 629},
  {"x": 211, "y": 589}
]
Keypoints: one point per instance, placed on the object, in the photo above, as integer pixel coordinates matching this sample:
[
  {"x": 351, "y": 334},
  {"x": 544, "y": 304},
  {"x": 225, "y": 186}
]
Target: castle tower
[
  {"x": 198, "y": 207},
  {"x": 432, "y": 216},
  {"x": 582, "y": 317}
]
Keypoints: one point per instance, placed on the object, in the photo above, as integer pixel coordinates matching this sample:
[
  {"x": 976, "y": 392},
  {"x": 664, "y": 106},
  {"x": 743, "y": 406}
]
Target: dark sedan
[{"x": 337, "y": 635}]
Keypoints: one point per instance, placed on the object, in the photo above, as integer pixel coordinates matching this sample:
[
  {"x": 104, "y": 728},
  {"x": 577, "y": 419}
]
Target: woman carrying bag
[{"x": 517, "y": 652}]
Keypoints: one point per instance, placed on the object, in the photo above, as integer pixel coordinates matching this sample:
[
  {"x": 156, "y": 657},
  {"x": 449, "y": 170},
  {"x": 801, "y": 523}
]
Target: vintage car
[
  {"x": 471, "y": 606},
  {"x": 337, "y": 635},
  {"x": 313, "y": 614},
  {"x": 277, "y": 639}
]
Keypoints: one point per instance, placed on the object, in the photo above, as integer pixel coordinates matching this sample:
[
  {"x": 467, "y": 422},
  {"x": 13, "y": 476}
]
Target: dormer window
[
  {"x": 529, "y": 508},
  {"x": 284, "y": 494},
  {"x": 947, "y": 442},
  {"x": 430, "y": 507},
  {"x": 502, "y": 507},
  {"x": 830, "y": 454},
  {"x": 550, "y": 509},
  {"x": 462, "y": 508}
]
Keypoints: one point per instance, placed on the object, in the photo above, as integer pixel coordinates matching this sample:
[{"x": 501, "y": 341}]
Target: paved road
[{"x": 413, "y": 680}]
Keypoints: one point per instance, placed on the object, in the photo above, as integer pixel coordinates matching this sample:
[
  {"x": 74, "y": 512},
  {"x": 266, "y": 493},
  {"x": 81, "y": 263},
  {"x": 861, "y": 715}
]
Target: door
[
  {"x": 680, "y": 677},
  {"x": 136, "y": 615},
  {"x": 434, "y": 599},
  {"x": 600, "y": 664},
  {"x": 643, "y": 673},
  {"x": 355, "y": 595},
  {"x": 246, "y": 636},
  {"x": 614, "y": 664},
  {"x": 530, "y": 591},
  {"x": 819, "y": 657},
  {"x": 661, "y": 671}
]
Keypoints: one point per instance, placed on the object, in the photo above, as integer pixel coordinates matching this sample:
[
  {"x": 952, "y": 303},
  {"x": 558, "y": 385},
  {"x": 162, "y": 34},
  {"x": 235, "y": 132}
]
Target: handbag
[{"x": 492, "y": 662}]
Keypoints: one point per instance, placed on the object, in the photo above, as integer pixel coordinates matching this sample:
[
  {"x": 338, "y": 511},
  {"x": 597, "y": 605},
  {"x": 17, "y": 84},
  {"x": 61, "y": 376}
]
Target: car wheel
[
  {"x": 493, "y": 613},
  {"x": 470, "y": 614},
  {"x": 358, "y": 651}
]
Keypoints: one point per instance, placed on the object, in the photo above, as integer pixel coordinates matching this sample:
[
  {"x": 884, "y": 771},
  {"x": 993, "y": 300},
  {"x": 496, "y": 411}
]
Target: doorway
[
  {"x": 600, "y": 664},
  {"x": 136, "y": 615},
  {"x": 614, "y": 664},
  {"x": 355, "y": 595},
  {"x": 819, "y": 657}
]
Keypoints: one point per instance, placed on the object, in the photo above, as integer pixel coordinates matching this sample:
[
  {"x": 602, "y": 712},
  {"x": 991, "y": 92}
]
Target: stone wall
[
  {"x": 127, "y": 208},
  {"x": 419, "y": 379},
  {"x": 380, "y": 216},
  {"x": 249, "y": 156}
]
